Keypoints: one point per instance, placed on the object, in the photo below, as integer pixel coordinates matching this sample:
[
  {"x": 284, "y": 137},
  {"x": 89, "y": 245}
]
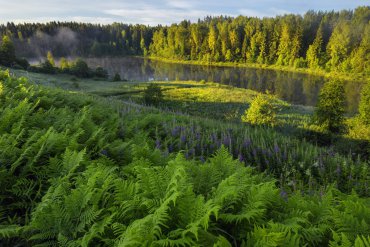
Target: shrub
[
  {"x": 329, "y": 112},
  {"x": 47, "y": 67},
  {"x": 80, "y": 68},
  {"x": 261, "y": 111},
  {"x": 23, "y": 63},
  {"x": 364, "y": 107},
  {"x": 153, "y": 94},
  {"x": 116, "y": 77},
  {"x": 101, "y": 73}
]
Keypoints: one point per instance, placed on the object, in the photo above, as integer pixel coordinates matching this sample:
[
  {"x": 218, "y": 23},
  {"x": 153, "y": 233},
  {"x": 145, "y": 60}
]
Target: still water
[{"x": 296, "y": 88}]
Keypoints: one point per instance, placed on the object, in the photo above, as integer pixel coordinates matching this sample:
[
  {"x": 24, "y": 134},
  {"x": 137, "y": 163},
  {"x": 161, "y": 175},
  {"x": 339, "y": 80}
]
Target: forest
[{"x": 318, "y": 41}]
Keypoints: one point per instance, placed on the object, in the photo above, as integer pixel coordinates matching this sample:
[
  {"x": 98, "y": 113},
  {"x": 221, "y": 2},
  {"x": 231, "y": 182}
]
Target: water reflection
[{"x": 296, "y": 88}]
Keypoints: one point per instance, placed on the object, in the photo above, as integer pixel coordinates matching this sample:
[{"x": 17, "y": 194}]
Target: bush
[
  {"x": 116, "y": 77},
  {"x": 48, "y": 67},
  {"x": 329, "y": 112},
  {"x": 23, "y": 63},
  {"x": 153, "y": 94},
  {"x": 261, "y": 111},
  {"x": 80, "y": 69},
  {"x": 364, "y": 107},
  {"x": 101, "y": 73}
]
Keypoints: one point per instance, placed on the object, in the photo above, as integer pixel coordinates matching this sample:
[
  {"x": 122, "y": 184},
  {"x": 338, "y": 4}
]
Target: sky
[{"x": 154, "y": 12}]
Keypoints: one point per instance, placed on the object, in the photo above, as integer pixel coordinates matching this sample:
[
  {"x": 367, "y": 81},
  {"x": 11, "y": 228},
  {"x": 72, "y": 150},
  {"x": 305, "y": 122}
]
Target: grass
[{"x": 220, "y": 102}]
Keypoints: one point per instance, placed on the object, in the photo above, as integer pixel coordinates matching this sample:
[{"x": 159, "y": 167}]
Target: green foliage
[
  {"x": 153, "y": 94},
  {"x": 329, "y": 112},
  {"x": 116, "y": 77},
  {"x": 7, "y": 52},
  {"x": 101, "y": 73},
  {"x": 50, "y": 58},
  {"x": 80, "y": 69},
  {"x": 328, "y": 41},
  {"x": 261, "y": 111},
  {"x": 364, "y": 107},
  {"x": 75, "y": 172}
]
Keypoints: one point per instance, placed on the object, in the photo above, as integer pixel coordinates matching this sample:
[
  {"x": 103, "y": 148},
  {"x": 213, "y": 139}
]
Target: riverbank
[{"x": 329, "y": 75}]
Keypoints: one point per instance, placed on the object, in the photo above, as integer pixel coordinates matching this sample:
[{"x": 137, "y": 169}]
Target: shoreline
[{"x": 321, "y": 73}]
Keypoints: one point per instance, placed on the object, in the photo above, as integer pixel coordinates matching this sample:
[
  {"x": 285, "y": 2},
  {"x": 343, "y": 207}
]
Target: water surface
[{"x": 296, "y": 88}]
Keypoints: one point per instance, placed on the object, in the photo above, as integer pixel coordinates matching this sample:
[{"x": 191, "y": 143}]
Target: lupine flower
[
  {"x": 170, "y": 148},
  {"x": 104, "y": 152},
  {"x": 276, "y": 149},
  {"x": 226, "y": 141},
  {"x": 158, "y": 144},
  {"x": 202, "y": 159},
  {"x": 284, "y": 195},
  {"x": 338, "y": 170},
  {"x": 241, "y": 157},
  {"x": 254, "y": 153},
  {"x": 246, "y": 143},
  {"x": 183, "y": 138}
]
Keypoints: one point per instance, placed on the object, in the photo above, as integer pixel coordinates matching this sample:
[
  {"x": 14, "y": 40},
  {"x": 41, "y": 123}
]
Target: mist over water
[{"x": 63, "y": 40}]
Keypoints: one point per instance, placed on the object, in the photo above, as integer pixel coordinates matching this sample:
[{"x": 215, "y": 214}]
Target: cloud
[
  {"x": 270, "y": 12},
  {"x": 154, "y": 12},
  {"x": 149, "y": 14}
]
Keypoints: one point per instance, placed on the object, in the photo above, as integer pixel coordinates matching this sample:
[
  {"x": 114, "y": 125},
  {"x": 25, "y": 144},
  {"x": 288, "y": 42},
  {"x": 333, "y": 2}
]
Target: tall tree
[{"x": 7, "y": 52}]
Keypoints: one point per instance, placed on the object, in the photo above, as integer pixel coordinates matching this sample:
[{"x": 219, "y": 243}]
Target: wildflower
[
  {"x": 158, "y": 144},
  {"x": 284, "y": 195},
  {"x": 246, "y": 143},
  {"x": 202, "y": 159},
  {"x": 241, "y": 157},
  {"x": 338, "y": 170}
]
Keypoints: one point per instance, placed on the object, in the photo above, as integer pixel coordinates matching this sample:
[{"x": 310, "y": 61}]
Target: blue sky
[{"x": 157, "y": 11}]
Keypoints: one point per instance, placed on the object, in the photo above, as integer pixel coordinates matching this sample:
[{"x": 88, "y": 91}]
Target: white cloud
[
  {"x": 153, "y": 12},
  {"x": 153, "y": 15},
  {"x": 270, "y": 12}
]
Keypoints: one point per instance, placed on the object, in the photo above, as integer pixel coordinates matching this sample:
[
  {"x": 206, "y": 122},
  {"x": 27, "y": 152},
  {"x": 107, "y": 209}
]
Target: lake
[{"x": 296, "y": 88}]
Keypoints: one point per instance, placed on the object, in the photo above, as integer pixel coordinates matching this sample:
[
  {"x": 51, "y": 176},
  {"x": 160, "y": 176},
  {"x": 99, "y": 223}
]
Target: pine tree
[
  {"x": 329, "y": 112},
  {"x": 7, "y": 52}
]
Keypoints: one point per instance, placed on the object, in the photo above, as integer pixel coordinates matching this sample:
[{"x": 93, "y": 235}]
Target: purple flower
[
  {"x": 254, "y": 153},
  {"x": 246, "y": 143},
  {"x": 197, "y": 135},
  {"x": 170, "y": 148},
  {"x": 276, "y": 149},
  {"x": 226, "y": 141},
  {"x": 241, "y": 157},
  {"x": 183, "y": 138},
  {"x": 202, "y": 159},
  {"x": 158, "y": 144},
  {"x": 338, "y": 170},
  {"x": 284, "y": 195},
  {"x": 175, "y": 131},
  {"x": 104, "y": 152}
]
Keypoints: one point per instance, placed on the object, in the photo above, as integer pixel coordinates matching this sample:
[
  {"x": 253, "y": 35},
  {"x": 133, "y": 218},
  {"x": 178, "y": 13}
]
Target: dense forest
[{"x": 330, "y": 41}]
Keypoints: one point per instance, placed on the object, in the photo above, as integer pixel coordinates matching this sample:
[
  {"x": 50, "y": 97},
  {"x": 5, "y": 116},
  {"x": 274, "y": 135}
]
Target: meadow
[{"x": 80, "y": 169}]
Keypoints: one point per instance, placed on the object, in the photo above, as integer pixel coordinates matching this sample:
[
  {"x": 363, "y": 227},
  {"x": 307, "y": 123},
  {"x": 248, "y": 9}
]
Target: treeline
[
  {"x": 334, "y": 41},
  {"x": 78, "y": 39},
  {"x": 330, "y": 41}
]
